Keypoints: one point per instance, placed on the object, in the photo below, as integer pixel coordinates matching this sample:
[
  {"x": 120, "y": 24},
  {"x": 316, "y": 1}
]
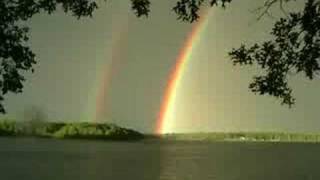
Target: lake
[{"x": 51, "y": 159}]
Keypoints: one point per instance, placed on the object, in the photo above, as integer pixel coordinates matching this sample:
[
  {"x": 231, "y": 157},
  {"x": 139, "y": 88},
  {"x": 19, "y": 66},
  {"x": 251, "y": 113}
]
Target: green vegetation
[
  {"x": 105, "y": 131},
  {"x": 82, "y": 130},
  {"x": 292, "y": 49},
  {"x": 244, "y": 136}
]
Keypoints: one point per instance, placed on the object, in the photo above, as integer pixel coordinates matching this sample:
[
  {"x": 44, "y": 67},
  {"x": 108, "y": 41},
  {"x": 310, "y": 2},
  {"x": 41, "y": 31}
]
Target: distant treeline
[
  {"x": 106, "y": 131},
  {"x": 83, "y": 130},
  {"x": 244, "y": 136}
]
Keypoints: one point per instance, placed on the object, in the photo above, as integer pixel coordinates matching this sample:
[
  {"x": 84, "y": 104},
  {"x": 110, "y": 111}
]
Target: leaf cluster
[
  {"x": 16, "y": 56},
  {"x": 294, "y": 48}
]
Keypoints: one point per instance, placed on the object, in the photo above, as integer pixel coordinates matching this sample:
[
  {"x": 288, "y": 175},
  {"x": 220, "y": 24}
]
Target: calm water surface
[{"x": 42, "y": 159}]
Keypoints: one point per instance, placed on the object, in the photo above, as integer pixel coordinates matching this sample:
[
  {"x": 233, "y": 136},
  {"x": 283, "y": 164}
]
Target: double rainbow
[{"x": 164, "y": 122}]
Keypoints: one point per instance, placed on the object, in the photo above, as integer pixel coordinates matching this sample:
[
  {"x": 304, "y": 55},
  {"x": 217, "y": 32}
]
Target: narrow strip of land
[
  {"x": 80, "y": 130},
  {"x": 107, "y": 131}
]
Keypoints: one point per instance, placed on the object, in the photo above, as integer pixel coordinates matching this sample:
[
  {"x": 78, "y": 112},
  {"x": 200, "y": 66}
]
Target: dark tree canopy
[
  {"x": 294, "y": 48},
  {"x": 17, "y": 57}
]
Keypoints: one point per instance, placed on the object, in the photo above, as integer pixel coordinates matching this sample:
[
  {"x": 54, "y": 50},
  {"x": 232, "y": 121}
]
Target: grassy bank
[
  {"x": 105, "y": 131},
  {"x": 244, "y": 136},
  {"x": 82, "y": 130}
]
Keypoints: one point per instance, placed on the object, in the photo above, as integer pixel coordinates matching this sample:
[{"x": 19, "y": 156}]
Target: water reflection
[
  {"x": 174, "y": 156},
  {"x": 39, "y": 159}
]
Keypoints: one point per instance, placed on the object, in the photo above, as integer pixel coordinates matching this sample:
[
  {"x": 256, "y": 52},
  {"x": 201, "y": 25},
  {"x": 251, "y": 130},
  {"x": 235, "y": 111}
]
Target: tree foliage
[
  {"x": 16, "y": 56},
  {"x": 294, "y": 48}
]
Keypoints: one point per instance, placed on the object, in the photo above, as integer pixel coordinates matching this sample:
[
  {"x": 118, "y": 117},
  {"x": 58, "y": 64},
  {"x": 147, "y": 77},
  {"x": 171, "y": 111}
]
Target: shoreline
[
  {"x": 111, "y": 132},
  {"x": 163, "y": 140},
  {"x": 259, "y": 137}
]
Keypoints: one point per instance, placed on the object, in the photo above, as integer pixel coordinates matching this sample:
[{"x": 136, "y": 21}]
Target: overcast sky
[{"x": 213, "y": 96}]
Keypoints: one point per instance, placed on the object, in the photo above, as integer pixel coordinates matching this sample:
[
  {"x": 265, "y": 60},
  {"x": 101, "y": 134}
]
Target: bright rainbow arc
[{"x": 163, "y": 123}]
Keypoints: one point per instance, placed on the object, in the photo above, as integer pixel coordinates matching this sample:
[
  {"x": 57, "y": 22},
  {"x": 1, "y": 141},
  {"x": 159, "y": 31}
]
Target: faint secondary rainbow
[
  {"x": 109, "y": 70},
  {"x": 176, "y": 74},
  {"x": 100, "y": 104}
]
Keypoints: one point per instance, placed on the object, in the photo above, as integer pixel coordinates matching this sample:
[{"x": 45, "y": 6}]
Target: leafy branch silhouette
[{"x": 294, "y": 47}]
